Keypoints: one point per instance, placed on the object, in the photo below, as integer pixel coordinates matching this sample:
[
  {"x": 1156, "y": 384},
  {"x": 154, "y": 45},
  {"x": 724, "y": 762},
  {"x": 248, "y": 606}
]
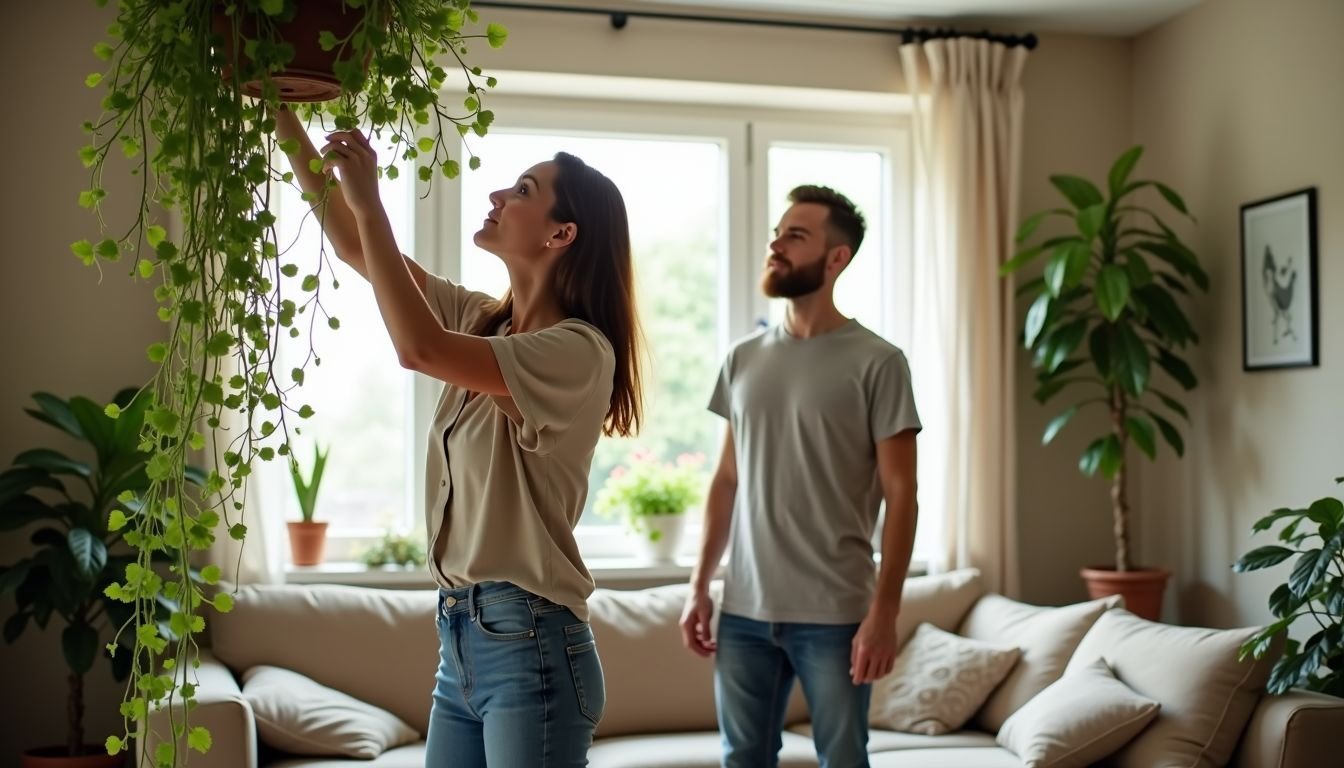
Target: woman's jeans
[
  {"x": 755, "y": 666},
  {"x": 519, "y": 682}
]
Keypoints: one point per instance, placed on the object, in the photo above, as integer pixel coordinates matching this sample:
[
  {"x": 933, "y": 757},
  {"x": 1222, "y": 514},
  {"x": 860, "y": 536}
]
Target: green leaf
[
  {"x": 211, "y": 574},
  {"x": 89, "y": 552},
  {"x": 116, "y": 520},
  {"x": 1142, "y": 433},
  {"x": 327, "y": 41},
  {"x": 1056, "y": 424},
  {"x": 155, "y": 234},
  {"x": 311, "y": 283},
  {"x": 1112, "y": 457},
  {"x": 474, "y": 163},
  {"x": 272, "y": 7},
  {"x": 1091, "y": 219},
  {"x": 1091, "y": 458},
  {"x": 103, "y": 51},
  {"x": 1032, "y": 222},
  {"x": 1176, "y": 369},
  {"x": 145, "y": 268},
  {"x": 1165, "y": 313},
  {"x": 1063, "y": 342},
  {"x": 198, "y": 738},
  {"x": 223, "y": 602},
  {"x": 1099, "y": 347},
  {"x": 1036, "y": 317},
  {"x": 1120, "y": 171},
  {"x": 1301, "y": 580},
  {"x": 496, "y": 34},
  {"x": 1112, "y": 291},
  {"x": 1133, "y": 364},
  {"x": 157, "y": 352},
  {"x": 1172, "y": 198},
  {"x": 79, "y": 644},
  {"x": 1262, "y": 557},
  {"x": 1079, "y": 191},
  {"x": 1170, "y": 434},
  {"x": 54, "y": 462}
]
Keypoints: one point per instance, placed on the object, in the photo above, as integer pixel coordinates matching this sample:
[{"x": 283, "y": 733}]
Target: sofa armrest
[
  {"x": 221, "y": 708},
  {"x": 1299, "y": 729}
]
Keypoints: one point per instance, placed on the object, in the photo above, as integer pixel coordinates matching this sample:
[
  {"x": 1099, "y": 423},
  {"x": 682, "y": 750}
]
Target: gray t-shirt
[{"x": 807, "y": 415}]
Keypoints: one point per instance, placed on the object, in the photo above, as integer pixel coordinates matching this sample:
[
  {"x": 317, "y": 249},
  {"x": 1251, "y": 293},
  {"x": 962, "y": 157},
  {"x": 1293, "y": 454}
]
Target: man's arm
[
  {"x": 874, "y": 650},
  {"x": 699, "y": 611}
]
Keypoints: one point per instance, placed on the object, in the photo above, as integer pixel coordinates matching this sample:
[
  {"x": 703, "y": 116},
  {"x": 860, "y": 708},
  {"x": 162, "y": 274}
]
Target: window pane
[
  {"x": 858, "y": 175},
  {"x": 675, "y": 195},
  {"x": 359, "y": 393}
]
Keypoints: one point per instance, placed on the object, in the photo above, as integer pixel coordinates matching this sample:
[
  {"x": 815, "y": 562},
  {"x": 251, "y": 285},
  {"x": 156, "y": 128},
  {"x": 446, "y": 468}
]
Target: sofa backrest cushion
[
  {"x": 942, "y": 600},
  {"x": 1206, "y": 694},
  {"x": 1047, "y": 637},
  {"x": 377, "y": 645}
]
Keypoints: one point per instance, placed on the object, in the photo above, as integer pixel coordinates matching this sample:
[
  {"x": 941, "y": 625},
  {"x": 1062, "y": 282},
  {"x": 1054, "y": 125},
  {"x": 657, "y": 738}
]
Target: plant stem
[
  {"x": 74, "y": 712},
  {"x": 1119, "y": 501}
]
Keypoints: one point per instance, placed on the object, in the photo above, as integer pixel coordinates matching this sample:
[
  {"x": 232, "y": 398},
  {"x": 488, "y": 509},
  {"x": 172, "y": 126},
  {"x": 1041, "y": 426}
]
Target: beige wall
[
  {"x": 1239, "y": 100},
  {"x": 64, "y": 332},
  {"x": 61, "y": 331}
]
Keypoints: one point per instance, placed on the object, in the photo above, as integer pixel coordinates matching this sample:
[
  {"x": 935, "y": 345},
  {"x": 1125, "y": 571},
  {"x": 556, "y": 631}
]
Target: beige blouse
[{"x": 507, "y": 477}]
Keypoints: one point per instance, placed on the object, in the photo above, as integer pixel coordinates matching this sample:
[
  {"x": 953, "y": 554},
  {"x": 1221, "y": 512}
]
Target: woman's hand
[{"x": 350, "y": 153}]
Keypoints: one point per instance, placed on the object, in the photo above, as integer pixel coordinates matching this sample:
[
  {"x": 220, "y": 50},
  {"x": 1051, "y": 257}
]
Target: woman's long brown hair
[{"x": 595, "y": 281}]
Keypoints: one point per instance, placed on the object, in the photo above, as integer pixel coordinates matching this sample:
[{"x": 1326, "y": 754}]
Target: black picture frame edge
[{"x": 1315, "y": 361}]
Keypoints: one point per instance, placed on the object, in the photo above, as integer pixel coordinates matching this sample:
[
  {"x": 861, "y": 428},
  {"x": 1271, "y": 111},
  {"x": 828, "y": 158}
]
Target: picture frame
[{"x": 1279, "y": 304}]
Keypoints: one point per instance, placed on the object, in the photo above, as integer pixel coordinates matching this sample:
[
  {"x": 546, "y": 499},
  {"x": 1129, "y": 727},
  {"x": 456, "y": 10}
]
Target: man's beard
[{"x": 796, "y": 281}]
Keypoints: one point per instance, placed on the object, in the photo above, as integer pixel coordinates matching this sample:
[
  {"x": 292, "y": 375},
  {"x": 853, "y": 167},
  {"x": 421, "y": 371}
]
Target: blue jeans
[
  {"x": 754, "y": 670},
  {"x": 519, "y": 682}
]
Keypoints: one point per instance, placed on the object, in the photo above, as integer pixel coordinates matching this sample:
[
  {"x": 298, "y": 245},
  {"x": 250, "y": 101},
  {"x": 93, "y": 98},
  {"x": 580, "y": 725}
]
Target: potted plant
[
  {"x": 652, "y": 497},
  {"x": 191, "y": 93},
  {"x": 79, "y": 505},
  {"x": 395, "y": 549},
  {"x": 1106, "y": 312},
  {"x": 1315, "y": 588},
  {"x": 307, "y": 538}
]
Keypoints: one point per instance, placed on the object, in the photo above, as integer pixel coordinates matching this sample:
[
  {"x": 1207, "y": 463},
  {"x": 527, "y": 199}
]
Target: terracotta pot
[
  {"x": 1142, "y": 588},
  {"x": 310, "y": 76},
  {"x": 54, "y": 757},
  {"x": 307, "y": 542}
]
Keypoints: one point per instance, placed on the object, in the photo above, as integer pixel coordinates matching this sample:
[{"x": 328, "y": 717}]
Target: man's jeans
[
  {"x": 755, "y": 666},
  {"x": 519, "y": 682}
]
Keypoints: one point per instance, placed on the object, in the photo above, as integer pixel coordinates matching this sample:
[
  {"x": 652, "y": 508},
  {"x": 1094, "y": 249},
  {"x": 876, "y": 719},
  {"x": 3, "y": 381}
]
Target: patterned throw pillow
[{"x": 939, "y": 681}]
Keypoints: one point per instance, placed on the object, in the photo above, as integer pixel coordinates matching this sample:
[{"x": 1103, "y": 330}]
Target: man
[{"x": 821, "y": 430}]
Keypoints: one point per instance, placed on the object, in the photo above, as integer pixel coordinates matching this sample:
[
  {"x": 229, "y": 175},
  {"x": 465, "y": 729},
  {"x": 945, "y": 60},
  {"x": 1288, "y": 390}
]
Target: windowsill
[{"x": 607, "y": 571}]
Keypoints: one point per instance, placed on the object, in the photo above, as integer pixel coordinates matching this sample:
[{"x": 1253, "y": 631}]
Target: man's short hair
[{"x": 844, "y": 222}]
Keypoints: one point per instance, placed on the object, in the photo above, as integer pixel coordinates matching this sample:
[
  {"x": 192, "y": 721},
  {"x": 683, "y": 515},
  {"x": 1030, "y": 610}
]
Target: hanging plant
[{"x": 192, "y": 92}]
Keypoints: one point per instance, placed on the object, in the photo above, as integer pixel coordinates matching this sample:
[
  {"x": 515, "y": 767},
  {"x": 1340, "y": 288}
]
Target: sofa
[{"x": 378, "y": 649}]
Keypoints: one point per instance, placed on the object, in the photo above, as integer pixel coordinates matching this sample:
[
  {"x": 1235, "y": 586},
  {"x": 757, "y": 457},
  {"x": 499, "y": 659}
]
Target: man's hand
[
  {"x": 696, "y": 633},
  {"x": 873, "y": 652}
]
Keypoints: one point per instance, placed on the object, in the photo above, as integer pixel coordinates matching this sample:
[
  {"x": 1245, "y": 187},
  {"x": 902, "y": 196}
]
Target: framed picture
[{"x": 1278, "y": 282}]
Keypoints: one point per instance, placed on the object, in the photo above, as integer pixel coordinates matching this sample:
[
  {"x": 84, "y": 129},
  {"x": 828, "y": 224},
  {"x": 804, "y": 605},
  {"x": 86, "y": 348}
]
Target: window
[{"x": 704, "y": 187}]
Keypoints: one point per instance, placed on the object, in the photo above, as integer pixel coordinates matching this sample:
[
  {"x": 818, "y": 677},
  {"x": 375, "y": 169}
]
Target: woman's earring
[{"x": 548, "y": 243}]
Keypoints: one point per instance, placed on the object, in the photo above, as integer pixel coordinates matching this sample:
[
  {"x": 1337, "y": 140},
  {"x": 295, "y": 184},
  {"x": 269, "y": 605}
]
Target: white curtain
[{"x": 968, "y": 135}]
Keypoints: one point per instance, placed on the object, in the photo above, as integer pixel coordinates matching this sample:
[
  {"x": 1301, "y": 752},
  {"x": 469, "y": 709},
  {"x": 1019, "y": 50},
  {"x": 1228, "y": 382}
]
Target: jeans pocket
[
  {"x": 505, "y": 620},
  {"x": 589, "y": 685}
]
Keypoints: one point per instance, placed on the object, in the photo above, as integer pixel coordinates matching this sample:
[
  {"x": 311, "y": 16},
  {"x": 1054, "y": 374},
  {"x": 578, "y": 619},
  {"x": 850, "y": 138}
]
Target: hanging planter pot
[{"x": 317, "y": 30}]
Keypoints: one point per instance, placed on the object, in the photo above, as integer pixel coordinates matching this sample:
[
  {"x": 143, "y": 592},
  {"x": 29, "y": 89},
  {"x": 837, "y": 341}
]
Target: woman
[{"x": 530, "y": 384}]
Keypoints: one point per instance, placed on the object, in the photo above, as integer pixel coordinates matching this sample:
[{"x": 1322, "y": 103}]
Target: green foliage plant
[
  {"x": 1106, "y": 312},
  {"x": 306, "y": 489},
  {"x": 646, "y": 487},
  {"x": 1313, "y": 594},
  {"x": 395, "y": 549},
  {"x": 80, "y": 506},
  {"x": 173, "y": 74}
]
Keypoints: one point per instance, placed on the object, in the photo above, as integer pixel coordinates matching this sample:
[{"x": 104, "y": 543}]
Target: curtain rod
[{"x": 619, "y": 19}]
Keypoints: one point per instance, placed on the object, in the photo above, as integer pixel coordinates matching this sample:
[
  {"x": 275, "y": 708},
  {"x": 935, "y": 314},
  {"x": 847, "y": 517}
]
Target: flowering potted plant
[{"x": 652, "y": 497}]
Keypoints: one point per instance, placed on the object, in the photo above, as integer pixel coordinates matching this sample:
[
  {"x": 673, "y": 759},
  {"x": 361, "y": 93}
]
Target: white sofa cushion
[
  {"x": 1047, "y": 637},
  {"x": 941, "y": 600},
  {"x": 390, "y": 632},
  {"x": 956, "y": 757},
  {"x": 880, "y": 740},
  {"x": 686, "y": 750},
  {"x": 412, "y": 756},
  {"x": 939, "y": 681},
  {"x": 302, "y": 717},
  {"x": 1077, "y": 720},
  {"x": 1206, "y": 694}
]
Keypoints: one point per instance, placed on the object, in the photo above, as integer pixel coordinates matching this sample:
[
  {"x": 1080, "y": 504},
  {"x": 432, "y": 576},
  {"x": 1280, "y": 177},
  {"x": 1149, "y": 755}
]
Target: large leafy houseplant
[
  {"x": 1106, "y": 312},
  {"x": 177, "y": 78},
  {"x": 1314, "y": 589},
  {"x": 78, "y": 504}
]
